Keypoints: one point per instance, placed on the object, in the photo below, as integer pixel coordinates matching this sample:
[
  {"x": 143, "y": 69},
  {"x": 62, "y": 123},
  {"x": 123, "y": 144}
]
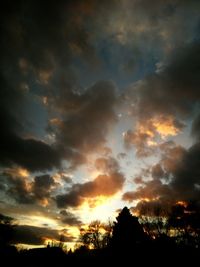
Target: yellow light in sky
[
  {"x": 102, "y": 209},
  {"x": 165, "y": 126},
  {"x": 39, "y": 221},
  {"x": 151, "y": 143},
  {"x": 23, "y": 172},
  {"x": 18, "y": 171},
  {"x": 145, "y": 130}
]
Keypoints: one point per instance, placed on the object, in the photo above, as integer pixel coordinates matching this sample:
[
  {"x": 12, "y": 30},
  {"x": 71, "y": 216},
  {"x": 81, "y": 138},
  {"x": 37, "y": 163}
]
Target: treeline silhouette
[{"x": 154, "y": 237}]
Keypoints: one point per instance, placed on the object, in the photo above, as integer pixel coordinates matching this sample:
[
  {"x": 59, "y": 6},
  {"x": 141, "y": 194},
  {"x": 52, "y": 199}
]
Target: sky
[{"x": 99, "y": 109}]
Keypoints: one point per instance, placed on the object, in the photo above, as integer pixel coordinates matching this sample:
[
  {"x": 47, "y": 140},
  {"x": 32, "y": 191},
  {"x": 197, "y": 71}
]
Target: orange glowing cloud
[
  {"x": 148, "y": 133},
  {"x": 165, "y": 126},
  {"x": 162, "y": 125},
  {"x": 17, "y": 172},
  {"x": 105, "y": 185}
]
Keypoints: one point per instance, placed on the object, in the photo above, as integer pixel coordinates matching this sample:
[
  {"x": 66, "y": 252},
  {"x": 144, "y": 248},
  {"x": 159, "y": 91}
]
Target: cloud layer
[{"x": 106, "y": 184}]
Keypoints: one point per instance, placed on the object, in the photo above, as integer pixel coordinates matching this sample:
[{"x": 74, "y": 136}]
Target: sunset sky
[{"x": 99, "y": 109}]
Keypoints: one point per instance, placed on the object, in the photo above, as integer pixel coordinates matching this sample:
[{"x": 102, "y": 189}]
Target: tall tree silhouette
[
  {"x": 6, "y": 230},
  {"x": 127, "y": 231}
]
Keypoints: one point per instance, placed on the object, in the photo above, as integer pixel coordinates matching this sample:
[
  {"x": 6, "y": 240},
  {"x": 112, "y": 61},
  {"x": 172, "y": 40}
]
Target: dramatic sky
[{"x": 99, "y": 108}]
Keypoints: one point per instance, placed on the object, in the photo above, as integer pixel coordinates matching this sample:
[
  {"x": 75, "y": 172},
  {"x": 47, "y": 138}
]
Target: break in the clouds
[{"x": 84, "y": 83}]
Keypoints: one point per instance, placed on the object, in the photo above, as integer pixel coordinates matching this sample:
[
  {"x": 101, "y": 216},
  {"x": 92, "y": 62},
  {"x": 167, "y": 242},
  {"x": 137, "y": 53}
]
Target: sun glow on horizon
[{"x": 102, "y": 208}]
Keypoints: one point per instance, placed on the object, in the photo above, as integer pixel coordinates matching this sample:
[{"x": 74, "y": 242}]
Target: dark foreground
[{"x": 151, "y": 256}]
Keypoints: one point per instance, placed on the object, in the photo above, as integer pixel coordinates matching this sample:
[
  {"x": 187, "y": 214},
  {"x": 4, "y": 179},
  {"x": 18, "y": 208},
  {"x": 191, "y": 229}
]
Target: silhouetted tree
[
  {"x": 185, "y": 222},
  {"x": 96, "y": 236},
  {"x": 127, "y": 231},
  {"x": 6, "y": 230}
]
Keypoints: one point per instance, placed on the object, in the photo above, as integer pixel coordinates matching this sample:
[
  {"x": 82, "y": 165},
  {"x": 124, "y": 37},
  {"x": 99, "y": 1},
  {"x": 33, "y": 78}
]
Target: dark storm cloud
[
  {"x": 173, "y": 90},
  {"x": 187, "y": 175},
  {"x": 50, "y": 40},
  {"x": 181, "y": 178},
  {"x": 30, "y": 153},
  {"x": 39, "y": 41},
  {"x": 24, "y": 191},
  {"x": 49, "y": 24},
  {"x": 69, "y": 218},
  {"x": 42, "y": 186},
  {"x": 33, "y": 235},
  {"x": 44, "y": 66},
  {"x": 166, "y": 98},
  {"x": 18, "y": 188},
  {"x": 195, "y": 131},
  {"x": 86, "y": 119}
]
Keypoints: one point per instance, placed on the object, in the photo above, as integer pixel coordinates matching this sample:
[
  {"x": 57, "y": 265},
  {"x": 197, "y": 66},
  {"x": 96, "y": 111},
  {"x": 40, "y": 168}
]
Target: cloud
[
  {"x": 153, "y": 94},
  {"x": 33, "y": 154},
  {"x": 102, "y": 185},
  {"x": 41, "y": 65},
  {"x": 148, "y": 134},
  {"x": 138, "y": 180},
  {"x": 107, "y": 165},
  {"x": 42, "y": 187},
  {"x": 106, "y": 184},
  {"x": 175, "y": 178},
  {"x": 32, "y": 235},
  {"x": 157, "y": 171},
  {"x": 151, "y": 190},
  {"x": 52, "y": 55},
  {"x": 86, "y": 120},
  {"x": 19, "y": 187},
  {"x": 140, "y": 141},
  {"x": 50, "y": 69},
  {"x": 195, "y": 129},
  {"x": 161, "y": 102},
  {"x": 69, "y": 218}
]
